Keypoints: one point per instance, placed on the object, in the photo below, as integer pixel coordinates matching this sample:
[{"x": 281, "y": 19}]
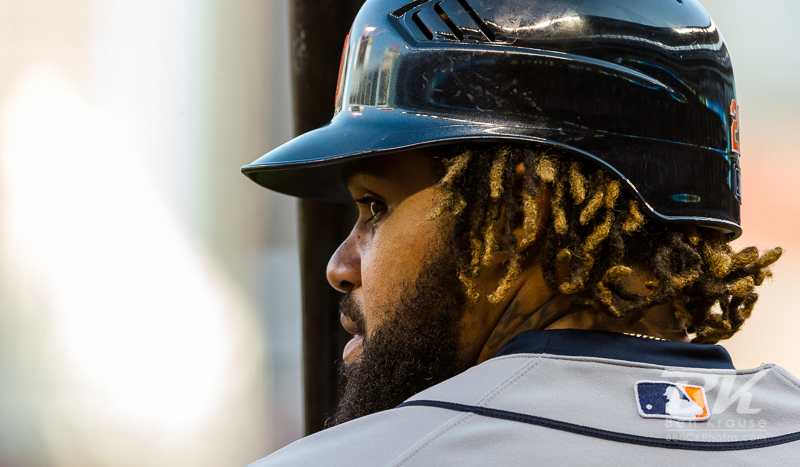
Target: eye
[{"x": 375, "y": 207}]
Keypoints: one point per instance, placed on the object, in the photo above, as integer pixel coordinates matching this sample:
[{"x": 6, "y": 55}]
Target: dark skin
[{"x": 395, "y": 194}]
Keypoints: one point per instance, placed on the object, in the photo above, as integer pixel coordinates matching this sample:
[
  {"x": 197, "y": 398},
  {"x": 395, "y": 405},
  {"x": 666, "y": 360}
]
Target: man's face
[
  {"x": 404, "y": 302},
  {"x": 384, "y": 253}
]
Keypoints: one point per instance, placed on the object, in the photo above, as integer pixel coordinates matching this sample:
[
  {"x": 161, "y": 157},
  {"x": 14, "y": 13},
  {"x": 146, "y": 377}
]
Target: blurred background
[{"x": 149, "y": 293}]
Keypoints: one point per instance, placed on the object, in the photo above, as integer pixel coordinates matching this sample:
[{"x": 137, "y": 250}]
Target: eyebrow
[{"x": 363, "y": 167}]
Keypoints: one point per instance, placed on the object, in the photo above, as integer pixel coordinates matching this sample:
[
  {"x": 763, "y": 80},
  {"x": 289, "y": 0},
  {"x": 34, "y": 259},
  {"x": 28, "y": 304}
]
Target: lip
[
  {"x": 352, "y": 350},
  {"x": 349, "y": 325}
]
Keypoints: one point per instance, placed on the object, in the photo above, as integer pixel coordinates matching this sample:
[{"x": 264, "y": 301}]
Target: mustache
[{"x": 350, "y": 309}]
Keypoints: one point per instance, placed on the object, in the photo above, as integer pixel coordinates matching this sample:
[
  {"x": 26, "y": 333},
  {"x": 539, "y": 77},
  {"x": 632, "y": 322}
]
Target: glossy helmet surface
[{"x": 642, "y": 88}]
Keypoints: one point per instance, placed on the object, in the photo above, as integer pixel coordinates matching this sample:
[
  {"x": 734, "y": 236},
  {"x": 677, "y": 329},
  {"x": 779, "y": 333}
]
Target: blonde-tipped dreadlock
[{"x": 595, "y": 234}]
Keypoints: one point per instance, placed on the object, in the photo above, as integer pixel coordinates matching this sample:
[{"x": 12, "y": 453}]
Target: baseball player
[{"x": 541, "y": 267}]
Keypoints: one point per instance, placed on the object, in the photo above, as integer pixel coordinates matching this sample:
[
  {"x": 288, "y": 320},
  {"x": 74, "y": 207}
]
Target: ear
[{"x": 531, "y": 230}]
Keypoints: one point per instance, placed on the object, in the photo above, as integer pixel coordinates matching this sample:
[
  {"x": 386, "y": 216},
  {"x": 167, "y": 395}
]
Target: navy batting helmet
[{"x": 643, "y": 88}]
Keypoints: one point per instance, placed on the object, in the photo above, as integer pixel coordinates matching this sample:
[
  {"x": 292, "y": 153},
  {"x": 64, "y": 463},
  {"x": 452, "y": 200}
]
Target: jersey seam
[
  {"x": 488, "y": 397},
  {"x": 421, "y": 445},
  {"x": 508, "y": 382}
]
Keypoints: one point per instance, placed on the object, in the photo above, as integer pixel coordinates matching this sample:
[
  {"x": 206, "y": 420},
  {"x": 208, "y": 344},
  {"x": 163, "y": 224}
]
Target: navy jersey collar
[{"x": 602, "y": 344}]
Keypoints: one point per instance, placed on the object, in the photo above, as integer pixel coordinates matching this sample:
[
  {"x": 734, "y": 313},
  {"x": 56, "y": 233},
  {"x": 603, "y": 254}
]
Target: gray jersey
[{"x": 558, "y": 398}]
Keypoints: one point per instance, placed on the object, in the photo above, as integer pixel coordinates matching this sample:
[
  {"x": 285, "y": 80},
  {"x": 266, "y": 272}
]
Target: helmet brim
[{"x": 310, "y": 165}]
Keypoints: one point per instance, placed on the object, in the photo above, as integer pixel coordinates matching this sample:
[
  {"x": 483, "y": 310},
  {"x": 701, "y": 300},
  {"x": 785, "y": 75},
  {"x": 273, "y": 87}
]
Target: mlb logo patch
[{"x": 662, "y": 399}]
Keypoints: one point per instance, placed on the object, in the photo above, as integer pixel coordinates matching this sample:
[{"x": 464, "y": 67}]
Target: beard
[{"x": 415, "y": 348}]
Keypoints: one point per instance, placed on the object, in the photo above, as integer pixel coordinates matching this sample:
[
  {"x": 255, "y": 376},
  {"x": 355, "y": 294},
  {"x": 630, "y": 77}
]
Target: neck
[
  {"x": 518, "y": 318},
  {"x": 532, "y": 306},
  {"x": 658, "y": 322}
]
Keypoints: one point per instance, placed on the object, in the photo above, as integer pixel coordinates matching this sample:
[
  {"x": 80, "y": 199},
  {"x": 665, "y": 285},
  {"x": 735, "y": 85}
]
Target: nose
[{"x": 344, "y": 267}]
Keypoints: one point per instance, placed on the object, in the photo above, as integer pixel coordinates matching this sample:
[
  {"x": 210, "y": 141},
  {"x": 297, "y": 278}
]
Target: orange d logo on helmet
[
  {"x": 337, "y": 104},
  {"x": 735, "y": 126}
]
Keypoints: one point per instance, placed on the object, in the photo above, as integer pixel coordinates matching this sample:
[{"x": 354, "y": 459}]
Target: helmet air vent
[
  {"x": 437, "y": 7},
  {"x": 444, "y": 20}
]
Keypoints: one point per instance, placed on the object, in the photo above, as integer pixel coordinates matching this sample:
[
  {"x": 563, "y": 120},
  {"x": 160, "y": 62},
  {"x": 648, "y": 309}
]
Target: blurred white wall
[
  {"x": 149, "y": 293},
  {"x": 141, "y": 275}
]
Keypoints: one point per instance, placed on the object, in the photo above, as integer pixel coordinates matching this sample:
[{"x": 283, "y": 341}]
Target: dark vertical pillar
[{"x": 318, "y": 29}]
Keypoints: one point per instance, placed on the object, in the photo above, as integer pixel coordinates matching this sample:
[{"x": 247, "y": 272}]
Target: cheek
[{"x": 391, "y": 264}]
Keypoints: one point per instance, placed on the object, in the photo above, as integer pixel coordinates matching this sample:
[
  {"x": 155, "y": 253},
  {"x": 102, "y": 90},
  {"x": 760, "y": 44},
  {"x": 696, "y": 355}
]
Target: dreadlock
[{"x": 596, "y": 233}]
